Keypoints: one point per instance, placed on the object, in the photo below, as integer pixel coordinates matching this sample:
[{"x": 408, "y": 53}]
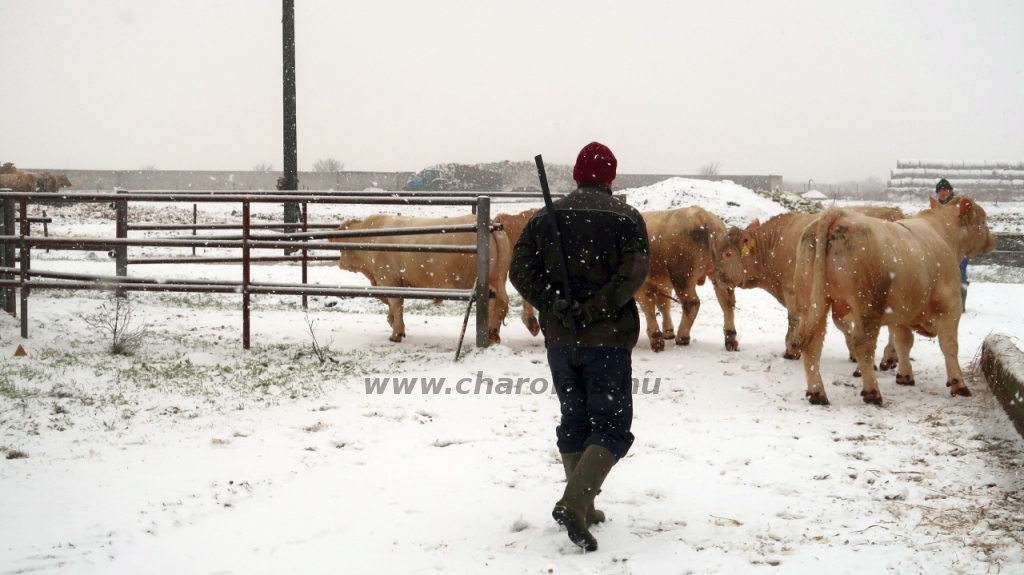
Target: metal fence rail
[
  {"x": 1009, "y": 251},
  {"x": 14, "y": 208}
]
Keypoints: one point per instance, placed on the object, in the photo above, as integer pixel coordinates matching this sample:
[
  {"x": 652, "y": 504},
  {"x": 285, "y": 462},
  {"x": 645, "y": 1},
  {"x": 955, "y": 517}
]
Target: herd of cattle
[
  {"x": 868, "y": 266},
  {"x": 22, "y": 181}
]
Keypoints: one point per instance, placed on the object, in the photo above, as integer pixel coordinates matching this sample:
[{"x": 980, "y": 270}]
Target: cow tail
[
  {"x": 503, "y": 249},
  {"x": 815, "y": 307}
]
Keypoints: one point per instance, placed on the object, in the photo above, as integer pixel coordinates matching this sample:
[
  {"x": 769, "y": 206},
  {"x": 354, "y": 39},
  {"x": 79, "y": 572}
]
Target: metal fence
[
  {"x": 14, "y": 206},
  {"x": 1009, "y": 251}
]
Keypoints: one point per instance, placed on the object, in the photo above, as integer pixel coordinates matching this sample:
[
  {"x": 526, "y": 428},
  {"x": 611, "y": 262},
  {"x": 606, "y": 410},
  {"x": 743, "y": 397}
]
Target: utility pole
[{"x": 291, "y": 154}]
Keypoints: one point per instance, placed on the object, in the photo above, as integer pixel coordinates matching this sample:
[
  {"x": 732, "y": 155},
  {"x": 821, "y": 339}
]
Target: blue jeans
[
  {"x": 963, "y": 271},
  {"x": 596, "y": 398}
]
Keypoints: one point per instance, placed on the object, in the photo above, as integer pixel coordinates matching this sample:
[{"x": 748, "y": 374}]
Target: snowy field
[{"x": 195, "y": 456}]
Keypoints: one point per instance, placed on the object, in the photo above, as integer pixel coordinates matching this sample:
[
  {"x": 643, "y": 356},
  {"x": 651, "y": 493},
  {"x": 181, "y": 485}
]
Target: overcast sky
[{"x": 824, "y": 90}]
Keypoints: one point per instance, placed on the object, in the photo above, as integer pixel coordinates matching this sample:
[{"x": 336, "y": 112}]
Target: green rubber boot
[
  {"x": 580, "y": 491},
  {"x": 569, "y": 462}
]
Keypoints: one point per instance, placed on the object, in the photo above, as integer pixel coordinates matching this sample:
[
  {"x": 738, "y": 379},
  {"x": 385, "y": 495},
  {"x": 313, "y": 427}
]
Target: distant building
[
  {"x": 988, "y": 179},
  {"x": 814, "y": 195}
]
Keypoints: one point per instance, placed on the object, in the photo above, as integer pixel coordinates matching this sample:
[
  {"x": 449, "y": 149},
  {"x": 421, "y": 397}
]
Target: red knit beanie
[{"x": 595, "y": 164}]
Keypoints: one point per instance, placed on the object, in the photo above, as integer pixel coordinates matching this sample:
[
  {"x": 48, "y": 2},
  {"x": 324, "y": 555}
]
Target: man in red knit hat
[{"x": 607, "y": 254}]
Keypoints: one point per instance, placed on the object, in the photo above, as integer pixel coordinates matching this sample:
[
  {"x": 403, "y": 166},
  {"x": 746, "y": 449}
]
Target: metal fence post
[
  {"x": 245, "y": 275},
  {"x": 25, "y": 259},
  {"x": 483, "y": 268},
  {"x": 305, "y": 254},
  {"x": 121, "y": 252},
  {"x": 7, "y": 252}
]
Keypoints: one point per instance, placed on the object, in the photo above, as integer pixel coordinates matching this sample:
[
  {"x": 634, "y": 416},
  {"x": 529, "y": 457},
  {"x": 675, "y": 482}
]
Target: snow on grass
[{"x": 197, "y": 456}]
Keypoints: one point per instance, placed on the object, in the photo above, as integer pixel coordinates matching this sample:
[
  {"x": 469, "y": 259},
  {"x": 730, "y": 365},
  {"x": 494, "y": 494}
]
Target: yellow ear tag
[{"x": 745, "y": 251}]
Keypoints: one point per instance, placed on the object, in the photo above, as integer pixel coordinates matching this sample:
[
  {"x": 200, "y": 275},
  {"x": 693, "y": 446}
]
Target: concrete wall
[
  {"x": 1003, "y": 366},
  {"x": 240, "y": 180},
  {"x": 248, "y": 180}
]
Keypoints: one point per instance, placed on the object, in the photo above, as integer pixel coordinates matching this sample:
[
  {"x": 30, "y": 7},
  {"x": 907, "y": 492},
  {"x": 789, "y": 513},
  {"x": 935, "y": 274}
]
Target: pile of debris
[
  {"x": 791, "y": 201},
  {"x": 491, "y": 177}
]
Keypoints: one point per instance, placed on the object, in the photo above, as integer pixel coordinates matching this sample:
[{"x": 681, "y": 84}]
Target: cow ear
[
  {"x": 754, "y": 224},
  {"x": 932, "y": 202},
  {"x": 965, "y": 206}
]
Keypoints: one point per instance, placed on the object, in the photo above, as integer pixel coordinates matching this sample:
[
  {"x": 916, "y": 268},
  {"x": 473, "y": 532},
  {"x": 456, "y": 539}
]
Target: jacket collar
[{"x": 595, "y": 186}]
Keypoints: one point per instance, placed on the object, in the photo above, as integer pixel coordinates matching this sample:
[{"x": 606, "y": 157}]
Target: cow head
[
  {"x": 977, "y": 238},
  {"x": 727, "y": 255},
  {"x": 63, "y": 181},
  {"x": 348, "y": 260}
]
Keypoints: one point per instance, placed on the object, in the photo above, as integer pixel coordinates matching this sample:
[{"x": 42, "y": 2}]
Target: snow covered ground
[{"x": 195, "y": 456}]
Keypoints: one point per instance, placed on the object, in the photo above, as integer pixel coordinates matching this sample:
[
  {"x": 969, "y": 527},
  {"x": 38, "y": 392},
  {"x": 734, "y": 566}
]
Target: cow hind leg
[
  {"x": 497, "y": 310},
  {"x": 792, "y": 352},
  {"x": 396, "y": 318},
  {"x": 727, "y": 299},
  {"x": 902, "y": 339},
  {"x": 691, "y": 306},
  {"x": 646, "y": 300},
  {"x": 890, "y": 357},
  {"x": 947, "y": 331},
  {"x": 668, "y": 329},
  {"x": 811, "y": 354},
  {"x": 865, "y": 339},
  {"x": 845, "y": 326}
]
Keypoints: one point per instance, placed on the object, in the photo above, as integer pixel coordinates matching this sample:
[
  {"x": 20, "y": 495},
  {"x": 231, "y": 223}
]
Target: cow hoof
[
  {"x": 683, "y": 340},
  {"x": 853, "y": 359},
  {"x": 730, "y": 341},
  {"x": 438, "y": 301},
  {"x": 887, "y": 364},
  {"x": 817, "y": 398},
  {"x": 873, "y": 397},
  {"x": 397, "y": 338},
  {"x": 856, "y": 373},
  {"x": 657, "y": 341},
  {"x": 904, "y": 379},
  {"x": 956, "y": 387},
  {"x": 494, "y": 337},
  {"x": 533, "y": 325},
  {"x": 788, "y": 355},
  {"x": 669, "y": 334}
]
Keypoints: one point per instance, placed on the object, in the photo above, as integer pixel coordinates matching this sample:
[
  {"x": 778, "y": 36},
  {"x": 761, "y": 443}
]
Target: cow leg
[
  {"x": 792, "y": 317},
  {"x": 727, "y": 299},
  {"x": 811, "y": 354},
  {"x": 645, "y": 298},
  {"x": 665, "y": 309},
  {"x": 890, "y": 357},
  {"x": 691, "y": 306},
  {"x": 497, "y": 309},
  {"x": 530, "y": 319},
  {"x": 396, "y": 318},
  {"x": 947, "y": 326},
  {"x": 865, "y": 339},
  {"x": 845, "y": 326},
  {"x": 902, "y": 339}
]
